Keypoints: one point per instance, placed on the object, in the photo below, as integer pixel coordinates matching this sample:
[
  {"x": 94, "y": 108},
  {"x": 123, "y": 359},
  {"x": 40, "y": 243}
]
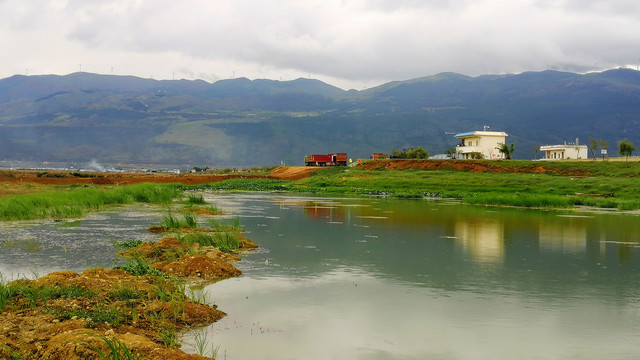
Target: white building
[
  {"x": 483, "y": 142},
  {"x": 565, "y": 152}
]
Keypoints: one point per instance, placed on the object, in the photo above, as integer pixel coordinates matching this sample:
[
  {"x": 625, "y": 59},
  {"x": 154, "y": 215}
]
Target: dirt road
[{"x": 292, "y": 172}]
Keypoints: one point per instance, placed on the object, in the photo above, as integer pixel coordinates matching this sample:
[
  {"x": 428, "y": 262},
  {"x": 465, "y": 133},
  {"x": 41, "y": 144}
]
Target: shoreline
[{"x": 139, "y": 308}]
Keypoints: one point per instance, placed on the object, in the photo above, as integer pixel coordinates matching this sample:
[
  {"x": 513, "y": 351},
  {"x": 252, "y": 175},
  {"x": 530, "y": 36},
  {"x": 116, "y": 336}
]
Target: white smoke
[{"x": 93, "y": 164}]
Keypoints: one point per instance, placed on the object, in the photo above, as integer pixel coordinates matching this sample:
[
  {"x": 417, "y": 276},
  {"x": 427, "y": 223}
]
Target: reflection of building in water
[
  {"x": 565, "y": 237},
  {"x": 483, "y": 240},
  {"x": 330, "y": 213}
]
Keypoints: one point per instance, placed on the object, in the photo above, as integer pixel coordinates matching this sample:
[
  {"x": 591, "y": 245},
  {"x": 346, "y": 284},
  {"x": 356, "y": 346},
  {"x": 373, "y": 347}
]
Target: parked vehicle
[
  {"x": 379, "y": 156},
  {"x": 337, "y": 159}
]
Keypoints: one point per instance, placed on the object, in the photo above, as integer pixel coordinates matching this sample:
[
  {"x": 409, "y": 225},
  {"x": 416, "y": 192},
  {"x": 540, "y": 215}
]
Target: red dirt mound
[{"x": 201, "y": 266}]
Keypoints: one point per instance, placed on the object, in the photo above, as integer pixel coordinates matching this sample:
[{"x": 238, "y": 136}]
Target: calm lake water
[{"x": 362, "y": 278}]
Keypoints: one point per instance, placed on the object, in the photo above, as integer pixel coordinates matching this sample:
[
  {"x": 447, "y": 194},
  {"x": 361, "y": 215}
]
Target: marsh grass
[
  {"x": 124, "y": 293},
  {"x": 169, "y": 338},
  {"x": 210, "y": 209},
  {"x": 140, "y": 267},
  {"x": 125, "y": 245},
  {"x": 73, "y": 202},
  {"x": 225, "y": 241},
  {"x": 233, "y": 225},
  {"x": 246, "y": 185},
  {"x": 171, "y": 222},
  {"x": 521, "y": 187},
  {"x": 33, "y": 296},
  {"x": 201, "y": 341},
  {"x": 97, "y": 316},
  {"x": 517, "y": 199},
  {"x": 117, "y": 349},
  {"x": 7, "y": 293},
  {"x": 198, "y": 295},
  {"x": 196, "y": 199}
]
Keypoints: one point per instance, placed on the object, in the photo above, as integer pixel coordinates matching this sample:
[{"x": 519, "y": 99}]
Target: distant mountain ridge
[{"x": 242, "y": 122}]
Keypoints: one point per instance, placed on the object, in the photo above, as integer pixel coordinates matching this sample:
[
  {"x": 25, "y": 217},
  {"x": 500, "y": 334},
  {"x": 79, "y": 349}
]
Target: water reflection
[
  {"x": 482, "y": 233},
  {"x": 566, "y": 237},
  {"x": 387, "y": 279},
  {"x": 483, "y": 240}
]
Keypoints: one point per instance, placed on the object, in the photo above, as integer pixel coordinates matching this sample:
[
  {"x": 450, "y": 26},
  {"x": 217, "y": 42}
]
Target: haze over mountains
[{"x": 122, "y": 119}]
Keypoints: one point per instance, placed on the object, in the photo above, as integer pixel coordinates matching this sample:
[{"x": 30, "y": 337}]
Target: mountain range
[{"x": 85, "y": 117}]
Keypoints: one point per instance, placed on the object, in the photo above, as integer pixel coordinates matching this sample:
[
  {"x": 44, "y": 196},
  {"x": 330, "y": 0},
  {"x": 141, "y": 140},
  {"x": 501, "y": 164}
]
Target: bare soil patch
[
  {"x": 467, "y": 166},
  {"x": 292, "y": 172},
  {"x": 59, "y": 177}
]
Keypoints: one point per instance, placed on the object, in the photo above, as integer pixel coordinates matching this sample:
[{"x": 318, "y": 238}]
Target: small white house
[
  {"x": 483, "y": 142},
  {"x": 570, "y": 151}
]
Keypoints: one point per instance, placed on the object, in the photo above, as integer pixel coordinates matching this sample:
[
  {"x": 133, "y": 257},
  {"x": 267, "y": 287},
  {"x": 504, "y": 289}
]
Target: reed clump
[
  {"x": 71, "y": 203},
  {"x": 224, "y": 241}
]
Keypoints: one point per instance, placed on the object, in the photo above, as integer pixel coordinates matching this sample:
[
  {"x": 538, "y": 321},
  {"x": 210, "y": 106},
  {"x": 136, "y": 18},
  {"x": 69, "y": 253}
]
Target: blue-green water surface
[
  {"x": 374, "y": 278},
  {"x": 399, "y": 279}
]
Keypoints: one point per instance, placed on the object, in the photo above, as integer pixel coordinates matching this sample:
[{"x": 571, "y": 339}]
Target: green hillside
[{"x": 239, "y": 122}]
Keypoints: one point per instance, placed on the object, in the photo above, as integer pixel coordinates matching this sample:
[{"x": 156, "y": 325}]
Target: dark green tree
[
  {"x": 506, "y": 150},
  {"x": 604, "y": 146},
  {"x": 625, "y": 148},
  {"x": 410, "y": 153},
  {"x": 593, "y": 146},
  {"x": 451, "y": 152}
]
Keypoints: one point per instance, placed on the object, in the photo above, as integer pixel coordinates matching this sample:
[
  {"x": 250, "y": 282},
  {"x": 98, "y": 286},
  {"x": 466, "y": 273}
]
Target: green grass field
[
  {"x": 600, "y": 184},
  {"x": 73, "y": 202}
]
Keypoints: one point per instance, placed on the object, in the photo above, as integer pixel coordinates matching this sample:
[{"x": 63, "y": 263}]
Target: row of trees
[{"x": 625, "y": 147}]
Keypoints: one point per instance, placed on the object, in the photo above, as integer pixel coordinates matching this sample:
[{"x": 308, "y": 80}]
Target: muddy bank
[
  {"x": 68, "y": 315},
  {"x": 60, "y": 177}
]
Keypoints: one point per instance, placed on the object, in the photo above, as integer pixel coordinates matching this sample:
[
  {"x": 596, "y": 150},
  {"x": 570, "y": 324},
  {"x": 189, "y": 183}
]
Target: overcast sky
[{"x": 348, "y": 43}]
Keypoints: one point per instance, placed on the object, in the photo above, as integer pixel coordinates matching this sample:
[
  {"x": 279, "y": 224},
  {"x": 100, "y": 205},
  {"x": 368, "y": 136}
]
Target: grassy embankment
[
  {"x": 75, "y": 201},
  {"x": 561, "y": 184},
  {"x": 127, "y": 312},
  {"x": 614, "y": 185}
]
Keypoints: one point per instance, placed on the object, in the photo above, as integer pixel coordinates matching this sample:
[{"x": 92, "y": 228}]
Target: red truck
[{"x": 337, "y": 159}]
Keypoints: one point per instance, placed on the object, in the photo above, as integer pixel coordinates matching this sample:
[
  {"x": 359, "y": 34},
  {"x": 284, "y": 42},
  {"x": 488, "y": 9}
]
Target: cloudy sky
[{"x": 347, "y": 43}]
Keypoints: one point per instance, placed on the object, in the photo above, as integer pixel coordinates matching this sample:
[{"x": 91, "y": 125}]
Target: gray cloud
[{"x": 352, "y": 41}]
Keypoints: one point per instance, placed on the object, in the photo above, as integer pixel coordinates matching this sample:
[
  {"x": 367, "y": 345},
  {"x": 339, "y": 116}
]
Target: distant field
[{"x": 543, "y": 184}]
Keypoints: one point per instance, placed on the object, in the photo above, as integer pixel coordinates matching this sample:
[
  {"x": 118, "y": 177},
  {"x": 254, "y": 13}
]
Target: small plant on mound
[
  {"x": 234, "y": 225},
  {"x": 117, "y": 349},
  {"x": 32, "y": 296},
  {"x": 123, "y": 293},
  {"x": 97, "y": 316},
  {"x": 126, "y": 245},
  {"x": 170, "y": 222},
  {"x": 224, "y": 241},
  {"x": 195, "y": 199},
  {"x": 6, "y": 295},
  {"x": 138, "y": 267}
]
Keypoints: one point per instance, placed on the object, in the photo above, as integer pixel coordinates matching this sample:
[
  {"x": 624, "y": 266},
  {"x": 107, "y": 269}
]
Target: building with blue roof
[{"x": 481, "y": 144}]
